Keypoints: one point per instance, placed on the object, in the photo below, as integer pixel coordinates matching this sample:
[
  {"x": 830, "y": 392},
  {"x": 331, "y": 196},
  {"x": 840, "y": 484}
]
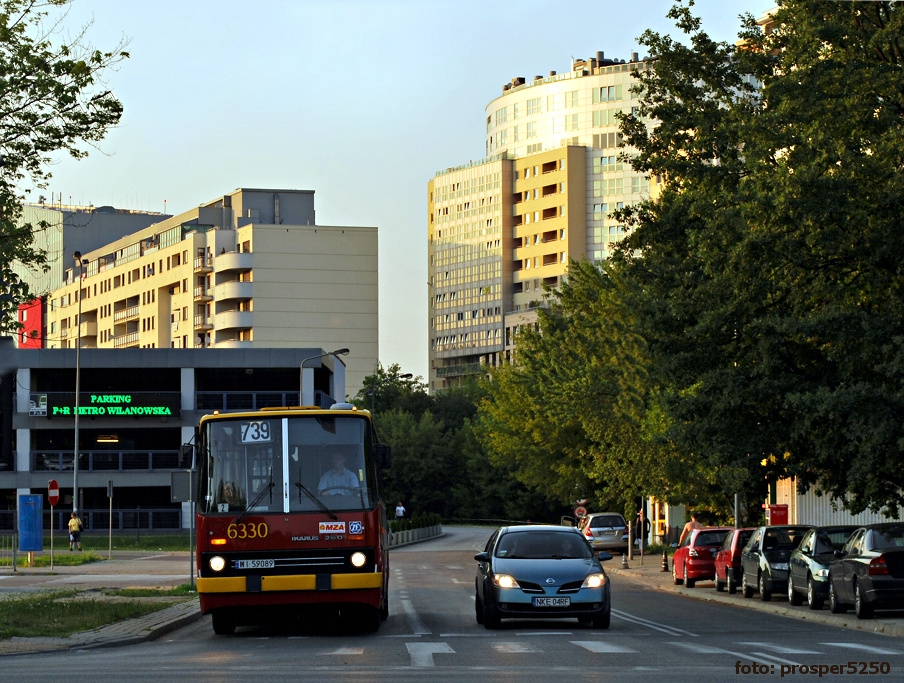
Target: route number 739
[{"x": 255, "y": 432}]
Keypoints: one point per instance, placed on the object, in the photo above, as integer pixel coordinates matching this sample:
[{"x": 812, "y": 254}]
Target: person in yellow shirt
[{"x": 75, "y": 532}]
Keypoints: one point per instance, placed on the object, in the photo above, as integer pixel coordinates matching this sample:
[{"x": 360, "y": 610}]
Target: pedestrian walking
[
  {"x": 75, "y": 532},
  {"x": 399, "y": 511}
]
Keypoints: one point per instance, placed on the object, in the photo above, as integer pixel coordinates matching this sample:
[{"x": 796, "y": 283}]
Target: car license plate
[
  {"x": 254, "y": 564},
  {"x": 552, "y": 602},
  {"x": 613, "y": 532}
]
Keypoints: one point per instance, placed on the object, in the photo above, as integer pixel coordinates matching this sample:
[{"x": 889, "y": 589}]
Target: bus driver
[{"x": 338, "y": 481}]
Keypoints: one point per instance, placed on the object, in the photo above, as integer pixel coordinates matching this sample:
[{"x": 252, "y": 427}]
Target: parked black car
[
  {"x": 809, "y": 564},
  {"x": 869, "y": 571},
  {"x": 764, "y": 560}
]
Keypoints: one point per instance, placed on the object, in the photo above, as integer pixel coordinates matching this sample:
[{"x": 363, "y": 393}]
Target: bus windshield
[{"x": 298, "y": 463}]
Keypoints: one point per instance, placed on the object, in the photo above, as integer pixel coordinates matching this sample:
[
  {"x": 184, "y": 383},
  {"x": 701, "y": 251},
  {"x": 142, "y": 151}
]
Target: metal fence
[
  {"x": 9, "y": 544},
  {"x": 99, "y": 520}
]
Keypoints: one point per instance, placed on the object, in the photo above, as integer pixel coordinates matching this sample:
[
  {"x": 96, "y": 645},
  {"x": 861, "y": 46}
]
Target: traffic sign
[
  {"x": 580, "y": 511},
  {"x": 53, "y": 492}
]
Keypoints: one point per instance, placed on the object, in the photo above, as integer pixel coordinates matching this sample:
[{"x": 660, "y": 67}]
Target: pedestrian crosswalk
[{"x": 426, "y": 652}]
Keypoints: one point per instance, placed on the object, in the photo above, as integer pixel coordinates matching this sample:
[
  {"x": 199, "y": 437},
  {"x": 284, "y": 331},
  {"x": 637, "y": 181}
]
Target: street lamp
[
  {"x": 78, "y": 352},
  {"x": 337, "y": 352}
]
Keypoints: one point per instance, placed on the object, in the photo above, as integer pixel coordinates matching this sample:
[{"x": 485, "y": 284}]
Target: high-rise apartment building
[
  {"x": 251, "y": 269},
  {"x": 502, "y": 228}
]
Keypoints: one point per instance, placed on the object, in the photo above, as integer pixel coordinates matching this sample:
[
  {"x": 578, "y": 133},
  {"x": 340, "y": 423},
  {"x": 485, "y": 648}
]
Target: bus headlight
[
  {"x": 358, "y": 559},
  {"x": 217, "y": 563}
]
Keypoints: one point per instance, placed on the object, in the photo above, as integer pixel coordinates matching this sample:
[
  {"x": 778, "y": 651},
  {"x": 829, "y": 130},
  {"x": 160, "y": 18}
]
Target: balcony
[
  {"x": 234, "y": 344},
  {"x": 203, "y": 322},
  {"x": 130, "y": 313},
  {"x": 233, "y": 260},
  {"x": 203, "y": 294},
  {"x": 204, "y": 264},
  {"x": 233, "y": 290},
  {"x": 458, "y": 370},
  {"x": 231, "y": 320},
  {"x": 129, "y": 339}
]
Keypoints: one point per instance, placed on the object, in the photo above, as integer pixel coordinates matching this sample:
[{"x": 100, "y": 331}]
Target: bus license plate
[
  {"x": 254, "y": 564},
  {"x": 552, "y": 602}
]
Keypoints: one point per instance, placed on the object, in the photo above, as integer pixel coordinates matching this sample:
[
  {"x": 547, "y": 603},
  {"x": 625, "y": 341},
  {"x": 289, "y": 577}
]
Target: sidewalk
[{"x": 650, "y": 573}]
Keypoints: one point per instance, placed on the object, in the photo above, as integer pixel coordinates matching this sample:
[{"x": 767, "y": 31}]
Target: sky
[{"x": 362, "y": 101}]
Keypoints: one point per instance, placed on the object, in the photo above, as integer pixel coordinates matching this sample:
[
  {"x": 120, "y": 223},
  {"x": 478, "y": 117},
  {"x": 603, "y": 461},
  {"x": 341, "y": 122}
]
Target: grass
[
  {"x": 62, "y": 613},
  {"x": 185, "y": 589}
]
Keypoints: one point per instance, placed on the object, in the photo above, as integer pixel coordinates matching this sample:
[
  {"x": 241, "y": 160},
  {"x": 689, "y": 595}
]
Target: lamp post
[
  {"x": 337, "y": 352},
  {"x": 78, "y": 352}
]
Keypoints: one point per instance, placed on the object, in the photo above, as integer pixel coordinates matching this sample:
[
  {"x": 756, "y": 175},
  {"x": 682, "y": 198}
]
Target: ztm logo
[{"x": 355, "y": 527}]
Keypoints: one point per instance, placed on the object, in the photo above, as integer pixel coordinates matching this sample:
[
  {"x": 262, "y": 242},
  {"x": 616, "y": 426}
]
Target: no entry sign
[{"x": 53, "y": 492}]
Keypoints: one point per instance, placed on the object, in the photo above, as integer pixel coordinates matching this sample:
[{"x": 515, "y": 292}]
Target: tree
[
  {"x": 387, "y": 389},
  {"x": 765, "y": 277},
  {"x": 52, "y": 99}
]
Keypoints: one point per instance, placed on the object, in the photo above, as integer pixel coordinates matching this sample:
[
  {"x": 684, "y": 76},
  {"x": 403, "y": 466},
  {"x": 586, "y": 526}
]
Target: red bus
[{"x": 290, "y": 516}]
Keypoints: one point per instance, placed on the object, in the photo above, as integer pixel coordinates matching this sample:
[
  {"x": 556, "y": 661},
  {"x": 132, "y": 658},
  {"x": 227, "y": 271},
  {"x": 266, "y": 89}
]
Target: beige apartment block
[
  {"x": 553, "y": 143},
  {"x": 248, "y": 270}
]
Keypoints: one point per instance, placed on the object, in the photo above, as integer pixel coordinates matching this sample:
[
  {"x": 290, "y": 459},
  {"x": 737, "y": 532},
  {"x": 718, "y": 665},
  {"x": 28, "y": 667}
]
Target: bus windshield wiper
[
  {"x": 317, "y": 501},
  {"x": 267, "y": 489}
]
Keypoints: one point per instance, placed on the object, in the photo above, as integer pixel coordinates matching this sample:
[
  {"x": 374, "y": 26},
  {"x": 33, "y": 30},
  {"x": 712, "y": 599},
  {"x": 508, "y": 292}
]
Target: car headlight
[
  {"x": 217, "y": 563},
  {"x": 822, "y": 573},
  {"x": 594, "y": 581},
  {"x": 780, "y": 566},
  {"x": 504, "y": 581},
  {"x": 358, "y": 559}
]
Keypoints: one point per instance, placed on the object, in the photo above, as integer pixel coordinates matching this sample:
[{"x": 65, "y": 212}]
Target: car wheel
[
  {"x": 861, "y": 608},
  {"x": 813, "y": 602},
  {"x": 602, "y": 621},
  {"x": 765, "y": 595},
  {"x": 675, "y": 578},
  {"x": 689, "y": 582},
  {"x": 732, "y": 586},
  {"x": 793, "y": 596},
  {"x": 384, "y": 607},
  {"x": 835, "y": 607},
  {"x": 491, "y": 618},
  {"x": 719, "y": 585},
  {"x": 223, "y": 624},
  {"x": 369, "y": 619},
  {"x": 746, "y": 590},
  {"x": 478, "y": 608}
]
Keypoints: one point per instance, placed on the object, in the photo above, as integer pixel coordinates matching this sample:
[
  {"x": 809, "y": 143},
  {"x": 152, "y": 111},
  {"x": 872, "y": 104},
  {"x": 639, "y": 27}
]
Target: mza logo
[
  {"x": 332, "y": 527},
  {"x": 355, "y": 527}
]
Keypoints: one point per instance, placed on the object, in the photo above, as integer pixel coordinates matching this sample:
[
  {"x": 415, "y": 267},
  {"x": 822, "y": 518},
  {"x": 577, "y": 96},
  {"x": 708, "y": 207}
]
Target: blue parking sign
[{"x": 31, "y": 523}]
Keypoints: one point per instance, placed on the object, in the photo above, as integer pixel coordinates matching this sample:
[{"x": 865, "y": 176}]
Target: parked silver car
[{"x": 605, "y": 531}]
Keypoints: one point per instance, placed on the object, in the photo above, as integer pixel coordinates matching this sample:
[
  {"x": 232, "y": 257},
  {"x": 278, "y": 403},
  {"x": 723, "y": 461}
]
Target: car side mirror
[
  {"x": 482, "y": 557},
  {"x": 603, "y": 555},
  {"x": 838, "y": 553}
]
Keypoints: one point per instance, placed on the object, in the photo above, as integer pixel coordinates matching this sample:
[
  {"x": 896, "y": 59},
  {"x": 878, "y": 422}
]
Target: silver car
[{"x": 605, "y": 531}]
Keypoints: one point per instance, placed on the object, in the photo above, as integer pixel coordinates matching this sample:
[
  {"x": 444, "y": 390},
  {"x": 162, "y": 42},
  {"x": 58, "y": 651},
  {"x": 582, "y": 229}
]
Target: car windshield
[
  {"x": 783, "y": 538},
  {"x": 888, "y": 537},
  {"x": 606, "y": 521},
  {"x": 542, "y": 545},
  {"x": 711, "y": 537}
]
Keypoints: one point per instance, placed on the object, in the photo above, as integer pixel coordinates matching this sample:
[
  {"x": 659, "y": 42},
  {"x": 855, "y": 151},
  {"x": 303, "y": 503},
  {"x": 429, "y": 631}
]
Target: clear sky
[{"x": 362, "y": 101}]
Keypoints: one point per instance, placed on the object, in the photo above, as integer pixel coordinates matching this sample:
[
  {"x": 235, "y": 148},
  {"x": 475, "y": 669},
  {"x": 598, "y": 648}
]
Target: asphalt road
[{"x": 431, "y": 634}]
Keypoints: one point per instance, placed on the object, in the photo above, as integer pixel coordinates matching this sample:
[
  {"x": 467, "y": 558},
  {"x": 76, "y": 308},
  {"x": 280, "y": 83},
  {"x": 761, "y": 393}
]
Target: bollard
[
  {"x": 624, "y": 561},
  {"x": 665, "y": 561}
]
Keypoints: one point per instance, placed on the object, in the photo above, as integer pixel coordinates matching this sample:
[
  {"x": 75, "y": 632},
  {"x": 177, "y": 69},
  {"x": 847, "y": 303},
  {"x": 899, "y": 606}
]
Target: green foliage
[
  {"x": 766, "y": 279},
  {"x": 53, "y": 99}
]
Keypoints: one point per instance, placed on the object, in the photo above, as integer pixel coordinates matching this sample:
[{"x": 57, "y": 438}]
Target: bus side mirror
[
  {"x": 186, "y": 456},
  {"x": 384, "y": 456}
]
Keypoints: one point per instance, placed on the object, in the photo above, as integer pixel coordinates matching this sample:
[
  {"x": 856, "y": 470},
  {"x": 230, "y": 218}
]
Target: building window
[
  {"x": 607, "y": 94},
  {"x": 571, "y": 99},
  {"x": 571, "y": 122},
  {"x": 533, "y": 106}
]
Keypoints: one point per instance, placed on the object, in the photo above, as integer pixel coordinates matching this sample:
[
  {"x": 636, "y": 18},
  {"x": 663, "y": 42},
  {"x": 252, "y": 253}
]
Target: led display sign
[{"x": 108, "y": 405}]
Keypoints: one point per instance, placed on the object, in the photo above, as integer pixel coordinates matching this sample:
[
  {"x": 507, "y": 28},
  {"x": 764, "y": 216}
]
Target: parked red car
[
  {"x": 728, "y": 559},
  {"x": 693, "y": 561}
]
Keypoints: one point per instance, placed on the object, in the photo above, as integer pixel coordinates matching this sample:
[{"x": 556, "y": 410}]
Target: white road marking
[
  {"x": 417, "y": 626},
  {"x": 601, "y": 647},
  {"x": 422, "y": 653},
  {"x": 514, "y": 648},
  {"x": 780, "y": 649},
  {"x": 776, "y": 659},
  {"x": 656, "y": 626},
  {"x": 864, "y": 648},
  {"x": 710, "y": 650},
  {"x": 345, "y": 651}
]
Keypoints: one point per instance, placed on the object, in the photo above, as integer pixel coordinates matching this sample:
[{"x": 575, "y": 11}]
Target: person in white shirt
[
  {"x": 400, "y": 511},
  {"x": 338, "y": 481}
]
